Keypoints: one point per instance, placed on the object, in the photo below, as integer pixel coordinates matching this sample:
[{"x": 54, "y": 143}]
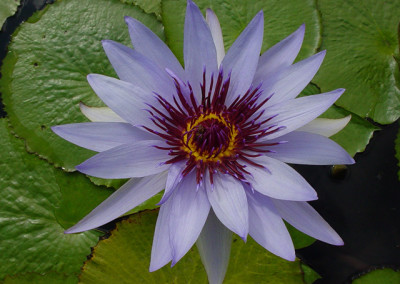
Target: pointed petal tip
[
  {"x": 153, "y": 268},
  {"x": 55, "y": 128},
  {"x": 80, "y": 168},
  {"x": 339, "y": 242},
  {"x": 291, "y": 257},
  {"x": 334, "y": 239},
  {"x": 91, "y": 78},
  {"x": 106, "y": 42},
  {"x": 191, "y": 4},
  {"x": 72, "y": 230},
  {"x": 129, "y": 20},
  {"x": 301, "y": 31}
]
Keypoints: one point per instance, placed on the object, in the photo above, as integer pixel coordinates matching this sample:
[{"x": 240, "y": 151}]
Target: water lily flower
[{"x": 215, "y": 136}]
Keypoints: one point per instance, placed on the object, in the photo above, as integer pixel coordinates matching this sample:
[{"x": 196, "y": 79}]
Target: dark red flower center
[{"x": 209, "y": 135}]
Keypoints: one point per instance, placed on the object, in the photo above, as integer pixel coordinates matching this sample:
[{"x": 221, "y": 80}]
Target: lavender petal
[
  {"x": 214, "y": 245},
  {"x": 128, "y": 160},
  {"x": 130, "y": 195}
]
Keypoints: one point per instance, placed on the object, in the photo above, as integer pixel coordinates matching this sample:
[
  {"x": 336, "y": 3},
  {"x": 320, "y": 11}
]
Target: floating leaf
[
  {"x": 361, "y": 43},
  {"x": 310, "y": 276},
  {"x": 281, "y": 19},
  {"x": 7, "y": 9},
  {"x": 379, "y": 276},
  {"x": 357, "y": 133},
  {"x": 51, "y": 277},
  {"x": 149, "y": 6},
  {"x": 125, "y": 257},
  {"x": 32, "y": 238},
  {"x": 44, "y": 74}
]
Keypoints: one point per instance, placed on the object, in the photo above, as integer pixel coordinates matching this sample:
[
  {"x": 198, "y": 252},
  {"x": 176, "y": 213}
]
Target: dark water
[
  {"x": 363, "y": 207},
  {"x": 361, "y": 202}
]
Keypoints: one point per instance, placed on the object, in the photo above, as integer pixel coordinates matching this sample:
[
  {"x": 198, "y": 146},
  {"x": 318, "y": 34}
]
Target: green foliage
[
  {"x": 44, "y": 74},
  {"x": 361, "y": 43},
  {"x": 36, "y": 278},
  {"x": 7, "y": 9},
  {"x": 34, "y": 206},
  {"x": 379, "y": 276}
]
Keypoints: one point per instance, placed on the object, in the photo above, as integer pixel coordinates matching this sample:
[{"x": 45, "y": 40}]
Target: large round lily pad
[
  {"x": 44, "y": 74},
  {"x": 34, "y": 212},
  {"x": 362, "y": 42}
]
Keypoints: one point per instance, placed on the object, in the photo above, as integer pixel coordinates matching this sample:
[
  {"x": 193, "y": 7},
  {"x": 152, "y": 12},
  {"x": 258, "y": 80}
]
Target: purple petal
[
  {"x": 293, "y": 114},
  {"x": 130, "y": 195},
  {"x": 214, "y": 244},
  {"x": 161, "y": 251},
  {"x": 129, "y": 160},
  {"x": 189, "y": 211},
  {"x": 131, "y": 66},
  {"x": 198, "y": 48},
  {"x": 149, "y": 44},
  {"x": 228, "y": 200},
  {"x": 174, "y": 178},
  {"x": 288, "y": 83},
  {"x": 304, "y": 218},
  {"x": 242, "y": 57},
  {"x": 279, "y": 180},
  {"x": 325, "y": 126},
  {"x": 125, "y": 99},
  {"x": 279, "y": 56},
  {"x": 309, "y": 149},
  {"x": 267, "y": 227},
  {"x": 99, "y": 114},
  {"x": 216, "y": 33},
  {"x": 101, "y": 136}
]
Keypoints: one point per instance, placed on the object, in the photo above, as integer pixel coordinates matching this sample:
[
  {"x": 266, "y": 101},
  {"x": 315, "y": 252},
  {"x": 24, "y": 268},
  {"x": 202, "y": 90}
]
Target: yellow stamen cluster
[{"x": 190, "y": 137}]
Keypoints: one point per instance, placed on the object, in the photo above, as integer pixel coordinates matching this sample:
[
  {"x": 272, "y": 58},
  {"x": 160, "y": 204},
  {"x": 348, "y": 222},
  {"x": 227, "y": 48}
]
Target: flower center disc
[{"x": 209, "y": 138}]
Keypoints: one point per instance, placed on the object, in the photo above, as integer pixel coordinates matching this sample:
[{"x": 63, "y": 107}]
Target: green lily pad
[
  {"x": 362, "y": 42},
  {"x": 379, "y": 276},
  {"x": 125, "y": 257},
  {"x": 149, "y": 6},
  {"x": 7, "y": 9},
  {"x": 44, "y": 74},
  {"x": 281, "y": 19},
  {"x": 36, "y": 278},
  {"x": 310, "y": 275},
  {"x": 31, "y": 208},
  {"x": 357, "y": 133}
]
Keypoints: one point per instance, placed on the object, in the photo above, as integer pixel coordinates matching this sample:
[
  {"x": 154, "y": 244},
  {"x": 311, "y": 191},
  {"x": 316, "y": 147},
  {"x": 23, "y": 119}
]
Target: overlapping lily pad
[
  {"x": 379, "y": 276},
  {"x": 362, "y": 42},
  {"x": 34, "y": 210},
  {"x": 149, "y": 6},
  {"x": 125, "y": 256},
  {"x": 7, "y": 9},
  {"x": 281, "y": 19},
  {"x": 36, "y": 278},
  {"x": 44, "y": 74}
]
